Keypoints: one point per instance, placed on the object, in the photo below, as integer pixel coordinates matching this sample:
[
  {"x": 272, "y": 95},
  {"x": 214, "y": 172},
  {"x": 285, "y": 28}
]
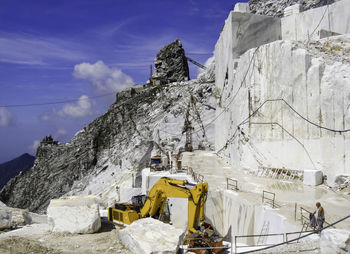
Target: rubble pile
[{"x": 276, "y": 8}]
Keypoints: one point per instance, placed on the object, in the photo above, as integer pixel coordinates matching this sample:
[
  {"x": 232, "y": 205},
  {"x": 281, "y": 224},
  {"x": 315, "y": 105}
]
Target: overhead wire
[
  {"x": 233, "y": 98},
  {"x": 295, "y": 239},
  {"x": 319, "y": 23},
  {"x": 245, "y": 121},
  {"x": 55, "y": 102}
]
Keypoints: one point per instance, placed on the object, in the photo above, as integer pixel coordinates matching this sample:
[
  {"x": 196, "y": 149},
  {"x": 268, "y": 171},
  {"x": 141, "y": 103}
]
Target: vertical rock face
[
  {"x": 276, "y": 7},
  {"x": 171, "y": 64}
]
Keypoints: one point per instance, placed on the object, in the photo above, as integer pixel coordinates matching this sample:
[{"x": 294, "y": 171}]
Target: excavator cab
[{"x": 139, "y": 200}]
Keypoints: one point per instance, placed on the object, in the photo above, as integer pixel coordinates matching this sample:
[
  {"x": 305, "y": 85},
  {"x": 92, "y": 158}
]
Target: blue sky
[{"x": 79, "y": 49}]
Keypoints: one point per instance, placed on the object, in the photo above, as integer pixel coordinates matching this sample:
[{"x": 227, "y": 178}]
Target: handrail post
[
  {"x": 301, "y": 215},
  {"x": 263, "y": 197},
  {"x": 235, "y": 244}
]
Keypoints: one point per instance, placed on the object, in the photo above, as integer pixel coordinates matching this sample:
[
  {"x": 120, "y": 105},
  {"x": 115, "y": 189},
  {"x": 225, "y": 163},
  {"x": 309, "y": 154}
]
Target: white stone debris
[
  {"x": 20, "y": 217},
  {"x": 38, "y": 218},
  {"x": 313, "y": 177},
  {"x": 335, "y": 241},
  {"x": 5, "y": 219},
  {"x": 338, "y": 180},
  {"x": 2, "y": 204},
  {"x": 76, "y": 215},
  {"x": 149, "y": 235}
]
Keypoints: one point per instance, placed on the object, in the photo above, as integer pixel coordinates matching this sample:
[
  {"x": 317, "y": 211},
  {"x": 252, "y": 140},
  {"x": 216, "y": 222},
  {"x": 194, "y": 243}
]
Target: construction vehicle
[
  {"x": 159, "y": 163},
  {"x": 154, "y": 204}
]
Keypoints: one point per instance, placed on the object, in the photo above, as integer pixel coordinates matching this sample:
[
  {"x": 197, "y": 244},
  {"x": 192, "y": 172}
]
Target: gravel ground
[{"x": 37, "y": 239}]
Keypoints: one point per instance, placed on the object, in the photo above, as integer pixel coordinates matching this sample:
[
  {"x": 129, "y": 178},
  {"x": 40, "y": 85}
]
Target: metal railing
[
  {"x": 303, "y": 217},
  {"x": 269, "y": 200},
  {"x": 296, "y": 239},
  {"x": 196, "y": 176},
  {"x": 231, "y": 184},
  {"x": 257, "y": 236},
  {"x": 299, "y": 234},
  {"x": 280, "y": 173},
  {"x": 306, "y": 219}
]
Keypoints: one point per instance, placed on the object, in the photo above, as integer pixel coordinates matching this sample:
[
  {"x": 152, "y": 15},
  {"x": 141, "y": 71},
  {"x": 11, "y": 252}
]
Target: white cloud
[
  {"x": 34, "y": 146},
  {"x": 102, "y": 77},
  {"x": 44, "y": 117},
  {"x": 60, "y": 133},
  {"x": 81, "y": 108},
  {"x": 6, "y": 117}
]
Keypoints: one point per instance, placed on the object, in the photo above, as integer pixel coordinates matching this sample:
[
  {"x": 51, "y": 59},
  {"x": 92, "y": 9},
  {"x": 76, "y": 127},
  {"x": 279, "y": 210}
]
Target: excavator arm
[
  {"x": 172, "y": 188},
  {"x": 156, "y": 200}
]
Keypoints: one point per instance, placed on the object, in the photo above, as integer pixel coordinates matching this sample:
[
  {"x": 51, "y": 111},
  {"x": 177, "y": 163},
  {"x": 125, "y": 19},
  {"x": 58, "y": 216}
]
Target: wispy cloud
[
  {"x": 79, "y": 109},
  {"x": 34, "y": 146},
  {"x": 60, "y": 133},
  {"x": 44, "y": 117},
  {"x": 35, "y": 50},
  {"x": 110, "y": 30},
  {"x": 102, "y": 77},
  {"x": 6, "y": 117}
]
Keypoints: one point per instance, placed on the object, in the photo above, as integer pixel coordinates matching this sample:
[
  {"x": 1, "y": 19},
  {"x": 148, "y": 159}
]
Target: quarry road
[
  {"x": 215, "y": 169},
  {"x": 36, "y": 239}
]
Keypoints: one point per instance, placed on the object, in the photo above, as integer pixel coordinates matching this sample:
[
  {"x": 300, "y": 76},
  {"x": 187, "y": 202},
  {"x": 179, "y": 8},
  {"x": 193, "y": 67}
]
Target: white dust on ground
[{"x": 37, "y": 239}]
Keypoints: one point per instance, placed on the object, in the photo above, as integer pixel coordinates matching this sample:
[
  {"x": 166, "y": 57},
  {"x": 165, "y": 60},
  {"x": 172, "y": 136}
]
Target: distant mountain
[{"x": 12, "y": 168}]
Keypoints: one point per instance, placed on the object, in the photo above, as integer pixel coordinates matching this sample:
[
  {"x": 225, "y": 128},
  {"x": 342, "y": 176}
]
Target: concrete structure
[{"x": 75, "y": 215}]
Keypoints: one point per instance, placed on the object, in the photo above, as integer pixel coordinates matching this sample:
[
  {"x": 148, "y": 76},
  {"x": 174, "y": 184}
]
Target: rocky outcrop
[
  {"x": 119, "y": 142},
  {"x": 170, "y": 65},
  {"x": 276, "y": 7}
]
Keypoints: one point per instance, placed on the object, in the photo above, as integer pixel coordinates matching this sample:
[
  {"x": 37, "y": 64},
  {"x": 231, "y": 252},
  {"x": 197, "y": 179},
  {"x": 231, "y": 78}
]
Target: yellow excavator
[{"x": 153, "y": 205}]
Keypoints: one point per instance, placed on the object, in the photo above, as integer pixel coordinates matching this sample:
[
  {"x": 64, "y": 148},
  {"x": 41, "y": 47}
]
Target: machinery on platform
[
  {"x": 159, "y": 163},
  {"x": 154, "y": 204}
]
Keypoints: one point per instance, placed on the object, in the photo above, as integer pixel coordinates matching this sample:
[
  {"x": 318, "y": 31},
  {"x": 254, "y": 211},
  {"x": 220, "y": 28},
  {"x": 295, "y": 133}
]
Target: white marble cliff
[{"x": 291, "y": 75}]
